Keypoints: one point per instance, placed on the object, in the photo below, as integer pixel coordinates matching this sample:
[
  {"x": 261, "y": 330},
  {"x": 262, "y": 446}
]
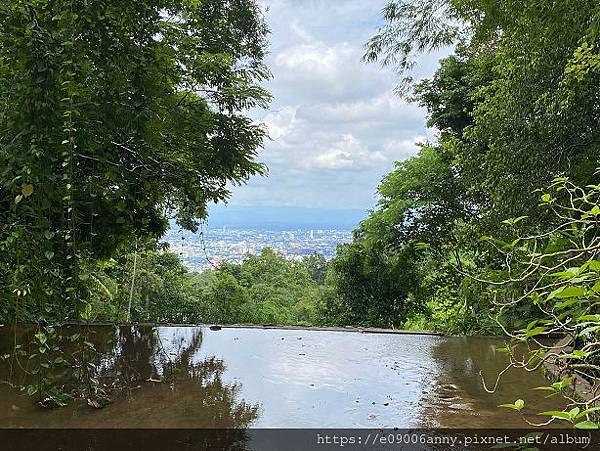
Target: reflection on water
[
  {"x": 155, "y": 380},
  {"x": 458, "y": 399},
  {"x": 190, "y": 377}
]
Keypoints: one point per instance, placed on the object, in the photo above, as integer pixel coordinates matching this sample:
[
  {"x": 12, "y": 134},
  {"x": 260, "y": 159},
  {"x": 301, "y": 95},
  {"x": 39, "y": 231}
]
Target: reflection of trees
[
  {"x": 158, "y": 387},
  {"x": 10, "y": 371},
  {"x": 458, "y": 399},
  {"x": 180, "y": 391}
]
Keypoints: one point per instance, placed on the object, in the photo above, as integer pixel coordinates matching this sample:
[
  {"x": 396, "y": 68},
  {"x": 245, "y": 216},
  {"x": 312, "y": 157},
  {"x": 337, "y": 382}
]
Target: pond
[{"x": 195, "y": 377}]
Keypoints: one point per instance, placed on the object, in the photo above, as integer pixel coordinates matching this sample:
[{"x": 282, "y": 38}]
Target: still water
[{"x": 194, "y": 377}]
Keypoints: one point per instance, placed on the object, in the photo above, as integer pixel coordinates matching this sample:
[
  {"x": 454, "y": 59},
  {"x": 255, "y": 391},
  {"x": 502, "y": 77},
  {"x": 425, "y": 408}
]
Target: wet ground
[{"x": 188, "y": 377}]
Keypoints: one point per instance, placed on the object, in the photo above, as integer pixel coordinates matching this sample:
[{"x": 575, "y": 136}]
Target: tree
[
  {"x": 113, "y": 117},
  {"x": 280, "y": 291},
  {"x": 556, "y": 273},
  {"x": 371, "y": 284},
  {"x": 316, "y": 266},
  {"x": 522, "y": 114},
  {"x": 515, "y": 106},
  {"x": 226, "y": 299}
]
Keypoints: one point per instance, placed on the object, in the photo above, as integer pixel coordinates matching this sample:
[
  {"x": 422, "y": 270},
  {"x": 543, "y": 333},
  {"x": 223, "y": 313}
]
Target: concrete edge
[{"x": 363, "y": 330}]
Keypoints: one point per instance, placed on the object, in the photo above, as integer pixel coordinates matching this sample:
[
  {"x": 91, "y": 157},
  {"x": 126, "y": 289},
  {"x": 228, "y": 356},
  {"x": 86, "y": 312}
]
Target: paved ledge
[{"x": 362, "y": 330}]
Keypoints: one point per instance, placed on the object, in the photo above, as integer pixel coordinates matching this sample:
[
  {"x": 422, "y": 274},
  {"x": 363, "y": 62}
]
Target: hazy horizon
[{"x": 284, "y": 217}]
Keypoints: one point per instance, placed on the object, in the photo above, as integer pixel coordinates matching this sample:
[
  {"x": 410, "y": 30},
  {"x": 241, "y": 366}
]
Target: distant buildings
[{"x": 199, "y": 250}]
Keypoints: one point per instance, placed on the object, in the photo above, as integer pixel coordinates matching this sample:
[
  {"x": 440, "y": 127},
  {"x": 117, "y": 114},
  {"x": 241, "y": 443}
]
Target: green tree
[
  {"x": 515, "y": 106},
  {"x": 226, "y": 299},
  {"x": 371, "y": 285},
  {"x": 557, "y": 274},
  {"x": 316, "y": 266},
  {"x": 113, "y": 117},
  {"x": 520, "y": 95}
]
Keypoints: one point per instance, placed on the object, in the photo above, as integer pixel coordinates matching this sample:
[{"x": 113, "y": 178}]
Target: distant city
[{"x": 231, "y": 233}]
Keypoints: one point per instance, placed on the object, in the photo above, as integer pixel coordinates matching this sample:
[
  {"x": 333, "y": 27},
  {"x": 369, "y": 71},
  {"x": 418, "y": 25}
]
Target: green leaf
[
  {"x": 534, "y": 331},
  {"x": 86, "y": 314},
  {"x": 569, "y": 292},
  {"x": 41, "y": 337},
  {"x": 513, "y": 221},
  {"x": 26, "y": 189},
  {"x": 586, "y": 425},
  {"x": 519, "y": 404},
  {"x": 557, "y": 414},
  {"x": 566, "y": 382},
  {"x": 49, "y": 255},
  {"x": 587, "y": 412},
  {"x": 591, "y": 318},
  {"x": 588, "y": 330},
  {"x": 567, "y": 303}
]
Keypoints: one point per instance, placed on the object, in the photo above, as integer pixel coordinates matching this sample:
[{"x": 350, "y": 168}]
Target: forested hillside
[
  {"x": 114, "y": 117},
  {"x": 516, "y": 106}
]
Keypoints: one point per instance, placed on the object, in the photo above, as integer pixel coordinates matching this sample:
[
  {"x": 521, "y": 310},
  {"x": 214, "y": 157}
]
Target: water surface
[{"x": 188, "y": 377}]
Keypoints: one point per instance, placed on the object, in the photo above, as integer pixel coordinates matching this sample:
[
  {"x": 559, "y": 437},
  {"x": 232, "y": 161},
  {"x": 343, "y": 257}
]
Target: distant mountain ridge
[{"x": 284, "y": 218}]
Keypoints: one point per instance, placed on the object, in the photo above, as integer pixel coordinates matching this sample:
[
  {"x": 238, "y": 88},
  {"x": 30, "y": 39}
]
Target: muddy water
[{"x": 183, "y": 377}]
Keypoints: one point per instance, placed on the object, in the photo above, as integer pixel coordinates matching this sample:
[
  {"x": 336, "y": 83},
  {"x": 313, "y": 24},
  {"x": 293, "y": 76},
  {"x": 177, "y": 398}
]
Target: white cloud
[
  {"x": 335, "y": 125},
  {"x": 384, "y": 108},
  {"x": 334, "y": 159},
  {"x": 280, "y": 123},
  {"x": 321, "y": 72},
  {"x": 315, "y": 61},
  {"x": 348, "y": 152},
  {"x": 400, "y": 149},
  {"x": 304, "y": 35}
]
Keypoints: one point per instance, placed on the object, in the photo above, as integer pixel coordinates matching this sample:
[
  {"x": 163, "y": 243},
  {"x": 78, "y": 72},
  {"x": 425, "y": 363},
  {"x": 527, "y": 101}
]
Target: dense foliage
[
  {"x": 557, "y": 272},
  {"x": 118, "y": 116},
  {"x": 262, "y": 289},
  {"x": 113, "y": 117},
  {"x": 515, "y": 106}
]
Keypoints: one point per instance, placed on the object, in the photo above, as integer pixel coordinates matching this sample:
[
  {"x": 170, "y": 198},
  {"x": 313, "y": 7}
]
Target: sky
[{"x": 335, "y": 125}]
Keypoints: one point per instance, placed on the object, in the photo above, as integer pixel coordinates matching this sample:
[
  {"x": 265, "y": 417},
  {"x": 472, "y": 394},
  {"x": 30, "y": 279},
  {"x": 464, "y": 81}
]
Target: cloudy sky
[{"x": 335, "y": 125}]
